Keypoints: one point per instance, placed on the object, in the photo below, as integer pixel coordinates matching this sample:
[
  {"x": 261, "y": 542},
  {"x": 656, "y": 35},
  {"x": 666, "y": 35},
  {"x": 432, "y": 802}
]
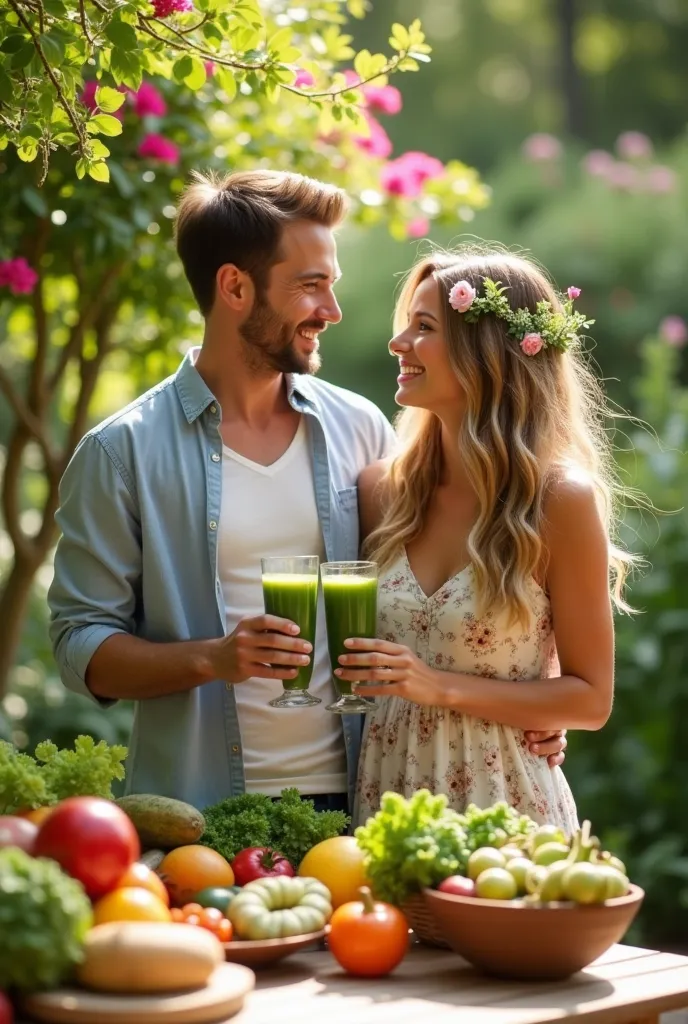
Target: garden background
[{"x": 560, "y": 128}]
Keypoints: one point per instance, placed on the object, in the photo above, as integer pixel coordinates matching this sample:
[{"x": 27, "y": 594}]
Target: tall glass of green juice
[
  {"x": 350, "y": 592},
  {"x": 290, "y": 590}
]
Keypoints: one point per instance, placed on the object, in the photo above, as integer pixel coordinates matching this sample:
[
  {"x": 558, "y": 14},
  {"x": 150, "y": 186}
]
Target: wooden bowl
[
  {"x": 513, "y": 939},
  {"x": 256, "y": 953}
]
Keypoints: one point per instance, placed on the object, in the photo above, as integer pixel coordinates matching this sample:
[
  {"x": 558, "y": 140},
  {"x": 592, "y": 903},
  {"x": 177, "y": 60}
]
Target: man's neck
[{"x": 244, "y": 395}]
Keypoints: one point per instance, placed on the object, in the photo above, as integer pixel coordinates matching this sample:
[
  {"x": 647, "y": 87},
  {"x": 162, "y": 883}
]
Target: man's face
[{"x": 281, "y": 331}]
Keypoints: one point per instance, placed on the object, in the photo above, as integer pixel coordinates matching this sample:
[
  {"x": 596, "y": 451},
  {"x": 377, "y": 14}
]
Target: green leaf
[
  {"x": 80, "y": 168},
  {"x": 182, "y": 68},
  {"x": 126, "y": 68},
  {"x": 65, "y": 139},
  {"x": 31, "y": 131},
  {"x": 212, "y": 33},
  {"x": 28, "y": 151},
  {"x": 6, "y": 90},
  {"x": 98, "y": 149},
  {"x": 35, "y": 201},
  {"x": 53, "y": 48},
  {"x": 121, "y": 34},
  {"x": 22, "y": 58},
  {"x": 99, "y": 171},
  {"x": 105, "y": 124},
  {"x": 400, "y": 38},
  {"x": 109, "y": 99},
  {"x": 55, "y": 7},
  {"x": 227, "y": 81},
  {"x": 13, "y": 43},
  {"x": 46, "y": 102},
  {"x": 196, "y": 76}
]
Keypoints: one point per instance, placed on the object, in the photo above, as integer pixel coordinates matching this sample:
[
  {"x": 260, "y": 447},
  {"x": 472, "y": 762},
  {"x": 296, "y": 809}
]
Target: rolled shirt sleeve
[{"x": 97, "y": 560}]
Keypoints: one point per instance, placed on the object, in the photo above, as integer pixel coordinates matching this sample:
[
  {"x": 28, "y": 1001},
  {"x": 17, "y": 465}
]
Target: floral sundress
[{"x": 408, "y": 746}]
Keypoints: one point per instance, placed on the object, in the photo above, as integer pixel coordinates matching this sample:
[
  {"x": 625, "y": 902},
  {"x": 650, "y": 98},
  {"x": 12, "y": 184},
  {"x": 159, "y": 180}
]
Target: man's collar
[{"x": 195, "y": 395}]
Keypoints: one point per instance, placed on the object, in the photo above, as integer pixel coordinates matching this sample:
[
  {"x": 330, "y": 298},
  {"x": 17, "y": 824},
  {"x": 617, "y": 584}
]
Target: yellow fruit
[
  {"x": 339, "y": 864},
  {"x": 130, "y": 904}
]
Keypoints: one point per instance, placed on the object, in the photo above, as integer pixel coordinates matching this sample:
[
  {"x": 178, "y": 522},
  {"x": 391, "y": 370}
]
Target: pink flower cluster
[
  {"x": 304, "y": 79},
  {"x": 148, "y": 102},
  {"x": 157, "y": 147},
  {"x": 542, "y": 148},
  {"x": 18, "y": 276},
  {"x": 406, "y": 175},
  {"x": 378, "y": 142},
  {"x": 573, "y": 292},
  {"x": 164, "y": 8},
  {"x": 633, "y": 171},
  {"x": 674, "y": 331}
]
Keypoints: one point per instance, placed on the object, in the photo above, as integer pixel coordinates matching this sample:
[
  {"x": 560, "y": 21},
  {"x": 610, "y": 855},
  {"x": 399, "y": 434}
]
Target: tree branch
[
  {"x": 36, "y": 391},
  {"x": 78, "y": 128},
  {"x": 11, "y": 507},
  {"x": 82, "y": 18},
  {"x": 29, "y": 422}
]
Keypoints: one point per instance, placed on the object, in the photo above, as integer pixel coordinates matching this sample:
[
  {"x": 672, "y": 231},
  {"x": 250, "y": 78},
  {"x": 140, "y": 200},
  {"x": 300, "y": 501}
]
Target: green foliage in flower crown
[{"x": 558, "y": 329}]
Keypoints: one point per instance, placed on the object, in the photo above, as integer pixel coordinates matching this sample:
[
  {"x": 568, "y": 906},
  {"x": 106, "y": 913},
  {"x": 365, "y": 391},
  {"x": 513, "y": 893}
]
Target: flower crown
[{"x": 545, "y": 328}]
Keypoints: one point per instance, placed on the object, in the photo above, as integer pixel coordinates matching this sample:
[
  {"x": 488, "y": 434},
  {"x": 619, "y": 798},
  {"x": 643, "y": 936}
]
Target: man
[{"x": 168, "y": 506}]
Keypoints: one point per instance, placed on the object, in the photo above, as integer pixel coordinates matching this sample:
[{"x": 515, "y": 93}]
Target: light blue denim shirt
[{"x": 139, "y": 514}]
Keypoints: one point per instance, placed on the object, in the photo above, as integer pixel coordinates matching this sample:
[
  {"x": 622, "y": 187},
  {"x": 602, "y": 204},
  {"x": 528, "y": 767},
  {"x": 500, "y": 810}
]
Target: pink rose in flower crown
[
  {"x": 461, "y": 296},
  {"x": 573, "y": 292},
  {"x": 157, "y": 147},
  {"x": 18, "y": 276},
  {"x": 531, "y": 344}
]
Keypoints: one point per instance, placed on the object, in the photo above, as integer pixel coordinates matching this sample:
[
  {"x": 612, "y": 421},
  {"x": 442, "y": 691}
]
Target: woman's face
[{"x": 426, "y": 378}]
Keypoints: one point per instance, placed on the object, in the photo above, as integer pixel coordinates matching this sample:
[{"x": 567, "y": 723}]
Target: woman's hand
[{"x": 388, "y": 670}]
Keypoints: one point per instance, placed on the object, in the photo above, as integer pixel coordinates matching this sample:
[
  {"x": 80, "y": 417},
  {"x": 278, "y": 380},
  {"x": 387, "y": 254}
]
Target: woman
[{"x": 492, "y": 528}]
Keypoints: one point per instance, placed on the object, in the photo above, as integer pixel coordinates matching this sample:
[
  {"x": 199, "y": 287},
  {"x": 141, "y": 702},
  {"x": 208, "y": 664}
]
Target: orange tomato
[
  {"x": 139, "y": 876},
  {"x": 339, "y": 863},
  {"x": 367, "y": 938},
  {"x": 224, "y": 930},
  {"x": 37, "y": 815},
  {"x": 177, "y": 915},
  {"x": 188, "y": 869},
  {"x": 130, "y": 905}
]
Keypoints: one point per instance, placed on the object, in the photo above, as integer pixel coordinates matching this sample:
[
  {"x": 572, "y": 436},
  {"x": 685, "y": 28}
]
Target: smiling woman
[{"x": 492, "y": 528}]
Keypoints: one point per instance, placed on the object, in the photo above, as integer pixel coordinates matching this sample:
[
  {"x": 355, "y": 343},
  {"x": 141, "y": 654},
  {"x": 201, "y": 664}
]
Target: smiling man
[{"x": 167, "y": 507}]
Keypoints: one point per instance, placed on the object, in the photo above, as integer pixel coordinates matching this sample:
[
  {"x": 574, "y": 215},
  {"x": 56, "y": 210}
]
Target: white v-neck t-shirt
[{"x": 271, "y": 510}]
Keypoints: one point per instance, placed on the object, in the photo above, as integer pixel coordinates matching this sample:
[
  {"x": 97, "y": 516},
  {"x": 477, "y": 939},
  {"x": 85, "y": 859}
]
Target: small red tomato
[
  {"x": 15, "y": 831},
  {"x": 367, "y": 938},
  {"x": 6, "y": 1012},
  {"x": 92, "y": 840},
  {"x": 192, "y": 919},
  {"x": 457, "y": 885}
]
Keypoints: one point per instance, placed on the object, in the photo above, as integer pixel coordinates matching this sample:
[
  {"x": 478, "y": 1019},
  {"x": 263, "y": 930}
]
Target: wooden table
[{"x": 628, "y": 985}]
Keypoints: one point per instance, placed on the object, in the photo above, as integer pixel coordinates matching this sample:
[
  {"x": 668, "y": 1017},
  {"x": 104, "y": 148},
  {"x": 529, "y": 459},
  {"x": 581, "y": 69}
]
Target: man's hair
[{"x": 239, "y": 219}]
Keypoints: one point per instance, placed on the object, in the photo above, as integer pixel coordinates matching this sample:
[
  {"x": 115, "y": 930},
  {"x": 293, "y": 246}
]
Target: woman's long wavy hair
[{"x": 527, "y": 419}]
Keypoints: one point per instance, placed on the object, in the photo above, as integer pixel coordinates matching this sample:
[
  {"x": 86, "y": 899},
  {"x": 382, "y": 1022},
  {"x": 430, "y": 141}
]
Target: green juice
[
  {"x": 294, "y": 597},
  {"x": 350, "y": 611}
]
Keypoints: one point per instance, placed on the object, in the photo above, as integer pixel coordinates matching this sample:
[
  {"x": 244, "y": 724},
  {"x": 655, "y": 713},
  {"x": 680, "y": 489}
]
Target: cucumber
[
  {"x": 161, "y": 822},
  {"x": 152, "y": 859}
]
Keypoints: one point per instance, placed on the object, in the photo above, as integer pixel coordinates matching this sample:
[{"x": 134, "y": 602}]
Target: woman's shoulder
[{"x": 574, "y": 516}]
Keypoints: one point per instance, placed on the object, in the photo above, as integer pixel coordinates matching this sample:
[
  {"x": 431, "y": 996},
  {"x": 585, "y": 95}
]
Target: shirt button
[
  {"x": 215, "y": 457},
  {"x": 228, "y": 686},
  {"x": 212, "y": 524},
  {"x": 213, "y": 408},
  {"x": 235, "y": 749}
]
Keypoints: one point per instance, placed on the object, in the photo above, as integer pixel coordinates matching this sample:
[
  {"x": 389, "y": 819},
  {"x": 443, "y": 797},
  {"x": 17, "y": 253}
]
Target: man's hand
[
  {"x": 548, "y": 744},
  {"x": 265, "y": 646}
]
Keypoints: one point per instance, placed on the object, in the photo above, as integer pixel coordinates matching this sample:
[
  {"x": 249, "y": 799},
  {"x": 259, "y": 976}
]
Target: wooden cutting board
[{"x": 220, "y": 999}]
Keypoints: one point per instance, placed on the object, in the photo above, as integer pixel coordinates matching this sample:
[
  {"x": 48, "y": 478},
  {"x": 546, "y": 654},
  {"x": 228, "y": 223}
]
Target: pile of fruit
[{"x": 543, "y": 867}]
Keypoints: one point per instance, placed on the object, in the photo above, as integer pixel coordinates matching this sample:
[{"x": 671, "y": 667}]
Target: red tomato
[
  {"x": 15, "y": 831},
  {"x": 368, "y": 938},
  {"x": 92, "y": 840},
  {"x": 259, "y": 862},
  {"x": 6, "y": 1012},
  {"x": 457, "y": 885}
]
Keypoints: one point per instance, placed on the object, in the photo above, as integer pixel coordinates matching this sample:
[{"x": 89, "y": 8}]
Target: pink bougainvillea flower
[
  {"x": 661, "y": 179},
  {"x": 209, "y": 68},
  {"x": 461, "y": 296},
  {"x": 406, "y": 175},
  {"x": 542, "y": 147},
  {"x": 531, "y": 344},
  {"x": 624, "y": 177},
  {"x": 418, "y": 227},
  {"x": 164, "y": 8},
  {"x": 378, "y": 142},
  {"x": 157, "y": 147},
  {"x": 148, "y": 101},
  {"x": 386, "y": 99},
  {"x": 674, "y": 331},
  {"x": 634, "y": 146},
  {"x": 303, "y": 79},
  {"x": 573, "y": 292},
  {"x": 18, "y": 276},
  {"x": 598, "y": 163}
]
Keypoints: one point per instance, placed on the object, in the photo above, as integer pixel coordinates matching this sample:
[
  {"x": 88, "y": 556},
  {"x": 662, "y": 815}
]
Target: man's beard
[{"x": 270, "y": 341}]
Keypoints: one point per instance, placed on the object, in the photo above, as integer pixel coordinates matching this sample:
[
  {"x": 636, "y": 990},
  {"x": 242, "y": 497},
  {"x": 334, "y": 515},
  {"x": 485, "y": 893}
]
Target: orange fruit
[
  {"x": 130, "y": 905},
  {"x": 139, "y": 876},
  {"x": 37, "y": 815},
  {"x": 339, "y": 864},
  {"x": 188, "y": 869}
]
